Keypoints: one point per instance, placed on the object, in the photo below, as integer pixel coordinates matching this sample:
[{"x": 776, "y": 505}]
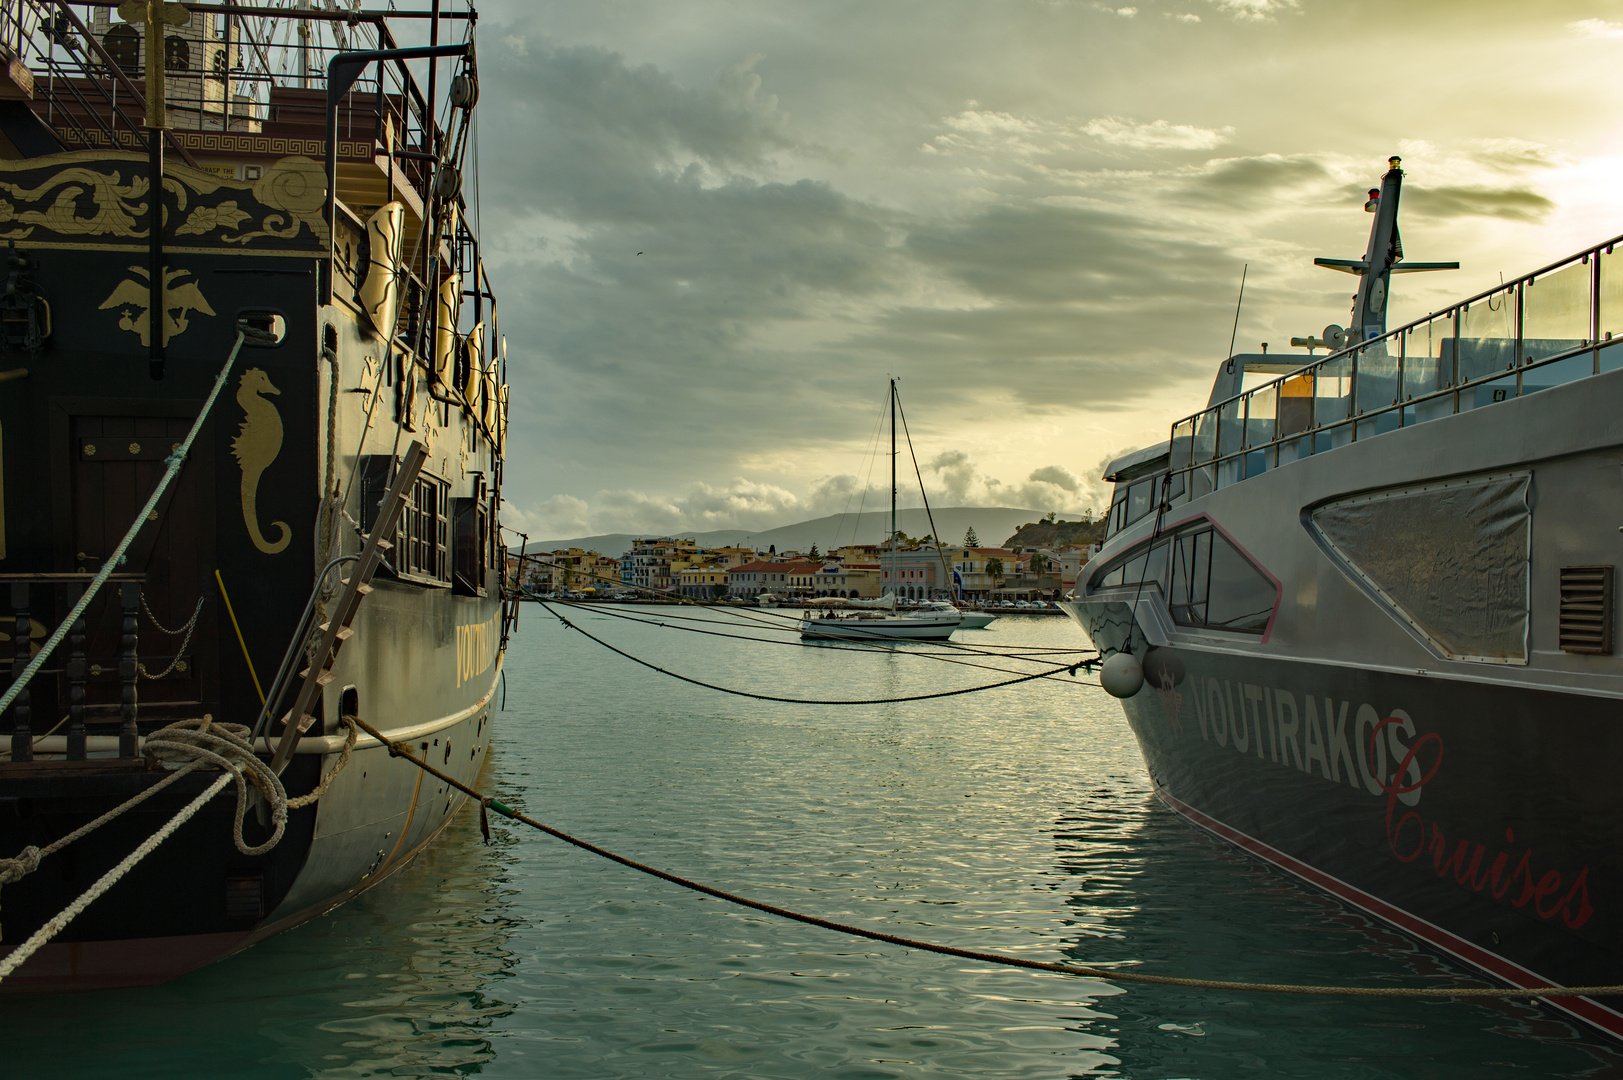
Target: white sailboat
[
  {"x": 881, "y": 620},
  {"x": 972, "y": 620}
]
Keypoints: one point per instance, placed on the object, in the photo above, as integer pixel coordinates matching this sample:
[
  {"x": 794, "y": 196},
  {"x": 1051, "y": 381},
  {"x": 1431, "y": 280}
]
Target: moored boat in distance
[
  {"x": 313, "y": 265},
  {"x": 967, "y": 620},
  {"x": 883, "y": 619},
  {"x": 873, "y": 625},
  {"x": 1361, "y": 615}
]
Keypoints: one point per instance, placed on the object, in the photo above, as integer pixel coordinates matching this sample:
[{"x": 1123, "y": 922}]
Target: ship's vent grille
[
  {"x": 1586, "y": 609},
  {"x": 245, "y": 895}
]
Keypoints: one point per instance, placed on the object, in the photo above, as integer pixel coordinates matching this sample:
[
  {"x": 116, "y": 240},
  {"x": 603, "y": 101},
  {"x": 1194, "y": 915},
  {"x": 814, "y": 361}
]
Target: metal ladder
[{"x": 338, "y": 629}]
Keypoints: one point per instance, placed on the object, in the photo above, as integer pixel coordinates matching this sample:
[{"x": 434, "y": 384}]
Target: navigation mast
[{"x": 1381, "y": 260}]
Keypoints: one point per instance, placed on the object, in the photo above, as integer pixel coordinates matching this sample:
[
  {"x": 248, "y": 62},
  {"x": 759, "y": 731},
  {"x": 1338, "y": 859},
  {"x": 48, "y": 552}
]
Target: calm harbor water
[{"x": 1018, "y": 820}]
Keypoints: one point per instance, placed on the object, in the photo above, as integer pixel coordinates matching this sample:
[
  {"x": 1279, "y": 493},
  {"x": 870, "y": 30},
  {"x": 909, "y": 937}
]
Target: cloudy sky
[{"x": 717, "y": 226}]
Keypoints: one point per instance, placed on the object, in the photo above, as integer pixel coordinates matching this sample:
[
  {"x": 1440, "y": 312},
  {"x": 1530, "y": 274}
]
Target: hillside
[
  {"x": 1051, "y": 534},
  {"x": 828, "y": 532}
]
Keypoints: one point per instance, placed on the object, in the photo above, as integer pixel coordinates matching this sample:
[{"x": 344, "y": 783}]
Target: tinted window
[
  {"x": 1239, "y": 598},
  {"x": 1191, "y": 560},
  {"x": 1206, "y": 580},
  {"x": 1138, "y": 499}
]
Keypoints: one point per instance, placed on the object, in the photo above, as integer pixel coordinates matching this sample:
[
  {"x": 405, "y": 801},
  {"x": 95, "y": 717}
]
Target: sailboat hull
[{"x": 889, "y": 628}]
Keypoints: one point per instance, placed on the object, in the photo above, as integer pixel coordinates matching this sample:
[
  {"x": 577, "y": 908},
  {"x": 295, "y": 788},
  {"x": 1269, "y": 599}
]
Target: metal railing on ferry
[{"x": 1550, "y": 327}]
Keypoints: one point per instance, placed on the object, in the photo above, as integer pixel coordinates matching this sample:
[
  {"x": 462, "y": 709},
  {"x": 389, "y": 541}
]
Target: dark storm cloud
[
  {"x": 1055, "y": 252},
  {"x": 1512, "y": 204},
  {"x": 711, "y": 328},
  {"x": 1035, "y": 213},
  {"x": 1252, "y": 182},
  {"x": 652, "y": 263}
]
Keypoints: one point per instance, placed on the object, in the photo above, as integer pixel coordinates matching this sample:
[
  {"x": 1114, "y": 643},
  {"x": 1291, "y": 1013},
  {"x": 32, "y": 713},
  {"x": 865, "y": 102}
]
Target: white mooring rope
[
  {"x": 55, "y": 925},
  {"x": 174, "y": 461},
  {"x": 195, "y": 743}
]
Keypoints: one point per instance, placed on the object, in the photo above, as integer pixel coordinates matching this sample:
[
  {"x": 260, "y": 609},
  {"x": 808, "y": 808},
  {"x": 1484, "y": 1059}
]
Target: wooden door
[{"x": 116, "y": 462}]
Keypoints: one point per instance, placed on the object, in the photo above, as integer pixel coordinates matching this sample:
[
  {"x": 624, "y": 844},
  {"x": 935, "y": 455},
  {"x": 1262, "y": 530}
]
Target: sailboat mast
[{"x": 893, "y": 589}]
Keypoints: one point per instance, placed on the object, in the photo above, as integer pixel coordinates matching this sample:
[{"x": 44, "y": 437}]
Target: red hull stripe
[
  {"x": 105, "y": 965},
  {"x": 1585, "y": 1009}
]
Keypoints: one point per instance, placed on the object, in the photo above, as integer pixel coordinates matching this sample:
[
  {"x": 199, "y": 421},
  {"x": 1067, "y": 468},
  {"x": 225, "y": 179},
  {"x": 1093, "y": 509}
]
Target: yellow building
[{"x": 704, "y": 582}]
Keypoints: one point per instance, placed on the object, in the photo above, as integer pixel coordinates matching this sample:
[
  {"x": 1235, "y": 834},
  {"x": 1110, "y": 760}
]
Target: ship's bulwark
[
  {"x": 84, "y": 436},
  {"x": 1481, "y": 818}
]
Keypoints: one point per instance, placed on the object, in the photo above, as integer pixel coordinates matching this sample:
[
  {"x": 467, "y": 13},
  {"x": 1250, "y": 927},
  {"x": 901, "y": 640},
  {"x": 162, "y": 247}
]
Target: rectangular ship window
[
  {"x": 470, "y": 546},
  {"x": 422, "y": 538},
  {"x": 1586, "y": 610}
]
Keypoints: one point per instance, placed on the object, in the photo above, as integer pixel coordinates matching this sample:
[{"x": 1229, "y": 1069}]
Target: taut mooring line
[{"x": 402, "y": 750}]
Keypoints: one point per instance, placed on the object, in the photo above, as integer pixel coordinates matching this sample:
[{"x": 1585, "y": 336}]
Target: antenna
[{"x": 1235, "y": 333}]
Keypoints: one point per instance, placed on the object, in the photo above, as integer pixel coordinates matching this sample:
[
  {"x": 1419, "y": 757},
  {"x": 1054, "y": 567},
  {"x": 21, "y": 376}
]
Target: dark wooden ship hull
[{"x": 285, "y": 476}]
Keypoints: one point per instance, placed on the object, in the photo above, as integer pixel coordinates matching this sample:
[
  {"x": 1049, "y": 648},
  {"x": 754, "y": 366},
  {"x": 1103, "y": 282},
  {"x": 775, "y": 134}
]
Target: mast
[
  {"x": 893, "y": 591},
  {"x": 1383, "y": 258}
]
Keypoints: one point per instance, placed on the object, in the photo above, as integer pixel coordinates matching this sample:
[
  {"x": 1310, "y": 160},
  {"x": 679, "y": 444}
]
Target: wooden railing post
[
  {"x": 75, "y": 670},
  {"x": 22, "y": 736},
  {"x": 128, "y": 668}
]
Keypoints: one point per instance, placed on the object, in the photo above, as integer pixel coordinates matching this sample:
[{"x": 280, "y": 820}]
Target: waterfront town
[{"x": 914, "y": 569}]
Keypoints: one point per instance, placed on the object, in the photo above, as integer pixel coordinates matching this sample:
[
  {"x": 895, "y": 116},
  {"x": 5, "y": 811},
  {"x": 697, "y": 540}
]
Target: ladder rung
[
  {"x": 345, "y": 631},
  {"x": 322, "y": 679}
]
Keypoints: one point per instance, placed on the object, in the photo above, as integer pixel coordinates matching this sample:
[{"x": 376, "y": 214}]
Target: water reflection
[
  {"x": 1162, "y": 897},
  {"x": 1018, "y": 820},
  {"x": 406, "y": 980}
]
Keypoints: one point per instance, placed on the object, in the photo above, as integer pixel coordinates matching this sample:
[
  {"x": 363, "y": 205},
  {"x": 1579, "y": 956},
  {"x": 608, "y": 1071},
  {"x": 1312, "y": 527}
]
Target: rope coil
[{"x": 192, "y": 744}]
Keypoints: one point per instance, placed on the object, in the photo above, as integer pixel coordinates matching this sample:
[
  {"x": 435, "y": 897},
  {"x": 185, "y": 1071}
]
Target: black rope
[
  {"x": 402, "y": 750},
  {"x": 1072, "y": 668},
  {"x": 790, "y": 624},
  {"x": 867, "y": 644}
]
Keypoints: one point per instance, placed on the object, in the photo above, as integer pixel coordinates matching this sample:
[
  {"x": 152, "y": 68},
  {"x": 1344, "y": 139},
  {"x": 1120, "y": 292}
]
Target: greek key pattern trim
[{"x": 219, "y": 142}]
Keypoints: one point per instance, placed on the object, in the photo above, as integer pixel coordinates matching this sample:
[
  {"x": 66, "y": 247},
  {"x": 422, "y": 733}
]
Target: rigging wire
[
  {"x": 1030, "y": 677},
  {"x": 939, "y": 541},
  {"x": 855, "y": 643},
  {"x": 867, "y": 479},
  {"x": 771, "y": 620}
]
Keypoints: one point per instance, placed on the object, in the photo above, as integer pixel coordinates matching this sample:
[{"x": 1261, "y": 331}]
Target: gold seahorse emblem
[{"x": 255, "y": 447}]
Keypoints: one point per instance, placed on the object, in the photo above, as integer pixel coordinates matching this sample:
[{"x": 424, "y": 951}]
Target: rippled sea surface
[{"x": 1017, "y": 820}]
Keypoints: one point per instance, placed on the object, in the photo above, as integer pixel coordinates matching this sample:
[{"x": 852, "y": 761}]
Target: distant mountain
[{"x": 989, "y": 522}]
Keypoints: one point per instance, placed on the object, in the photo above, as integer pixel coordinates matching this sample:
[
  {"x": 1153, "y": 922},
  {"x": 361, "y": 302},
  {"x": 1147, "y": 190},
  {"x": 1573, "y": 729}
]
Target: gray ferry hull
[
  {"x": 1508, "y": 859},
  {"x": 1468, "y": 802}
]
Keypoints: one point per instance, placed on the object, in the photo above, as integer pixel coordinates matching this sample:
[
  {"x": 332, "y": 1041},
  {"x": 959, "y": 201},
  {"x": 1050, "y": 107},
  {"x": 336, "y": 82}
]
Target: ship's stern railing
[
  {"x": 34, "y": 595},
  {"x": 1554, "y": 326}
]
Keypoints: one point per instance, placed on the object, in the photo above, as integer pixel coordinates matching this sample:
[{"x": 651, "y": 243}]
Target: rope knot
[{"x": 14, "y": 870}]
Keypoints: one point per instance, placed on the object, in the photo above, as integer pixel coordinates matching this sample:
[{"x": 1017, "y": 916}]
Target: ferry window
[
  {"x": 1191, "y": 563},
  {"x": 1240, "y": 597},
  {"x": 1118, "y": 512},
  {"x": 1139, "y": 497},
  {"x": 1213, "y": 585}
]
